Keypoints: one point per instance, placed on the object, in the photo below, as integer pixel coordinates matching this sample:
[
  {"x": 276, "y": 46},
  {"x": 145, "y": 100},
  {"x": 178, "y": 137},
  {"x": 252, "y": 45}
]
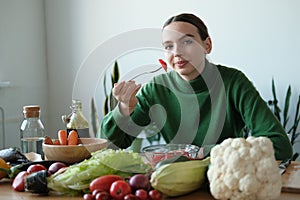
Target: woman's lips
[{"x": 181, "y": 63}]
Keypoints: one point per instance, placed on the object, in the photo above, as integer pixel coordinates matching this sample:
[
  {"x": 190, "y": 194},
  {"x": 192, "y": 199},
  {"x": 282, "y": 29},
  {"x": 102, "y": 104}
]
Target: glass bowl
[{"x": 157, "y": 153}]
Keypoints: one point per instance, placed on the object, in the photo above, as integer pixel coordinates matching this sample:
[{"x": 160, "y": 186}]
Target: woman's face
[{"x": 184, "y": 49}]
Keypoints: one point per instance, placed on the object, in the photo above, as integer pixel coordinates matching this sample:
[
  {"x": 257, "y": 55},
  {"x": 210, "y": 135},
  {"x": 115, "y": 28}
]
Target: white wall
[
  {"x": 22, "y": 62},
  {"x": 260, "y": 38}
]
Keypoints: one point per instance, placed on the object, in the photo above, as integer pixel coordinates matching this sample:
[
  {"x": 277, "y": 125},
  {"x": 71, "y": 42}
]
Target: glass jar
[
  {"x": 32, "y": 130},
  {"x": 77, "y": 121}
]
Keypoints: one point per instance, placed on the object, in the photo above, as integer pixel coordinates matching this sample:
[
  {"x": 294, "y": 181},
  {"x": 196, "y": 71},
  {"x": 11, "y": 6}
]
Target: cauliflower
[{"x": 244, "y": 169}]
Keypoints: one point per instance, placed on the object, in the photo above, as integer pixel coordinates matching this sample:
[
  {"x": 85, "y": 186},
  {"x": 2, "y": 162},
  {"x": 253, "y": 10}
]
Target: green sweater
[{"x": 205, "y": 111}]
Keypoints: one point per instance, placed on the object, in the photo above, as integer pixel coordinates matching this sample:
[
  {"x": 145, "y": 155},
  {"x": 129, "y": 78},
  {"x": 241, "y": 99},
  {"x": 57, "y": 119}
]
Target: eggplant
[
  {"x": 14, "y": 170},
  {"x": 13, "y": 156},
  {"x": 37, "y": 182}
]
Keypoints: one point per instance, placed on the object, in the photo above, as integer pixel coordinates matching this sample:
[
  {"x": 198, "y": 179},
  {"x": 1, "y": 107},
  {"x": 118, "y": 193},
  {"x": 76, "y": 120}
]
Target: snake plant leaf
[
  {"x": 286, "y": 107},
  {"x": 275, "y": 102},
  {"x": 105, "y": 108},
  {"x": 296, "y": 122},
  {"x": 94, "y": 117},
  {"x": 112, "y": 102},
  {"x": 292, "y": 131},
  {"x": 104, "y": 85},
  {"x": 295, "y": 156},
  {"x": 115, "y": 74}
]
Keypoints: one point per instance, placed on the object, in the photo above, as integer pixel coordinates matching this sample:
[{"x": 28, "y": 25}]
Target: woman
[{"x": 198, "y": 102}]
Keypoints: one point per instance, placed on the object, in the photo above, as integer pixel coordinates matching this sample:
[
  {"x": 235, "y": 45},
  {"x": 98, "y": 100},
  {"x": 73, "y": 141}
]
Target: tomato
[
  {"x": 96, "y": 191},
  {"x": 104, "y": 182},
  {"x": 35, "y": 168},
  {"x": 119, "y": 189},
  {"x": 88, "y": 197},
  {"x": 142, "y": 194},
  {"x": 19, "y": 181},
  {"x": 155, "y": 195},
  {"x": 102, "y": 196},
  {"x": 131, "y": 197}
]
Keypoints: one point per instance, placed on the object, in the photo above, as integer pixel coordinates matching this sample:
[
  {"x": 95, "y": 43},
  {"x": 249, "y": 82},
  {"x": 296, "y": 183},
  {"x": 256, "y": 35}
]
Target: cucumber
[{"x": 172, "y": 160}]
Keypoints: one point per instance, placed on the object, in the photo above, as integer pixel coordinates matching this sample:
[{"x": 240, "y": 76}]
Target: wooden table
[
  {"x": 291, "y": 176},
  {"x": 7, "y": 193}
]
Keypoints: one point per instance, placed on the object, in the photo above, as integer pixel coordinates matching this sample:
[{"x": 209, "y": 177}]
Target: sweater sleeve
[
  {"x": 122, "y": 130},
  {"x": 258, "y": 117},
  {"x": 110, "y": 127}
]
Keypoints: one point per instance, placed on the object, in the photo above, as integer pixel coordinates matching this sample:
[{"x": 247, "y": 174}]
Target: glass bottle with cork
[
  {"x": 32, "y": 130},
  {"x": 76, "y": 120}
]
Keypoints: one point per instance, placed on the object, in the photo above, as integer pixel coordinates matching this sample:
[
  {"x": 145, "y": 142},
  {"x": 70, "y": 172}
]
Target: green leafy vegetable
[{"x": 75, "y": 179}]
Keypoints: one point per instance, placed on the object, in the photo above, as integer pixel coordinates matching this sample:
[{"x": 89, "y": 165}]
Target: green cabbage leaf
[{"x": 75, "y": 179}]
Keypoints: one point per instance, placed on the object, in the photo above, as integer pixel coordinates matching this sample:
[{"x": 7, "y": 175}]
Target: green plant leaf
[
  {"x": 104, "y": 85},
  {"x": 94, "y": 117},
  {"x": 112, "y": 102},
  {"x": 295, "y": 156},
  {"x": 275, "y": 102},
  {"x": 116, "y": 73},
  {"x": 105, "y": 107},
  {"x": 286, "y": 107},
  {"x": 296, "y": 122}
]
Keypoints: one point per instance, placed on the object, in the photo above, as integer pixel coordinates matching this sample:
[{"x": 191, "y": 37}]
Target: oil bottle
[{"x": 76, "y": 120}]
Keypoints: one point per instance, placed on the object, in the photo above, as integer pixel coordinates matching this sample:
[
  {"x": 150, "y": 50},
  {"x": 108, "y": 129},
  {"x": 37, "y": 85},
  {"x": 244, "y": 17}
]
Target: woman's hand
[
  {"x": 200, "y": 153},
  {"x": 125, "y": 93}
]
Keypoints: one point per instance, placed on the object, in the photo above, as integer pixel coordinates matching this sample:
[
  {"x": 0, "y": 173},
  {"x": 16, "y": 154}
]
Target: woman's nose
[{"x": 177, "y": 51}]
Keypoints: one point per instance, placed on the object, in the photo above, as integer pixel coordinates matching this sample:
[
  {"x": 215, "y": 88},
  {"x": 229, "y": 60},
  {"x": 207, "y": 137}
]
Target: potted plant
[{"x": 285, "y": 117}]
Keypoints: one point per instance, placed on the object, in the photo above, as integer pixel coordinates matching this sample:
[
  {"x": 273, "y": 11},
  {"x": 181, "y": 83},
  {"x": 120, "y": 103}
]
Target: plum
[{"x": 55, "y": 167}]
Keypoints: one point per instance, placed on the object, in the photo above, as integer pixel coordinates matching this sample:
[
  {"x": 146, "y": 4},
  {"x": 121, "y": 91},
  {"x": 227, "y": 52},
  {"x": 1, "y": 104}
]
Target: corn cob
[{"x": 180, "y": 178}]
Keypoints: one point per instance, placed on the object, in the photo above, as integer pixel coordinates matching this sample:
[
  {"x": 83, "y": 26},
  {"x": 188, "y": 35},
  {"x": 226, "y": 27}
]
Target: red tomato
[
  {"x": 97, "y": 191},
  {"x": 142, "y": 194},
  {"x": 119, "y": 189},
  {"x": 104, "y": 182},
  {"x": 155, "y": 195},
  {"x": 35, "y": 168},
  {"x": 102, "y": 196},
  {"x": 131, "y": 197},
  {"x": 88, "y": 197},
  {"x": 19, "y": 181}
]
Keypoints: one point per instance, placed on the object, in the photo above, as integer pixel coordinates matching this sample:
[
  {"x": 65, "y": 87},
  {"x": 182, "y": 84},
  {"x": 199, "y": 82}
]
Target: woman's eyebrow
[{"x": 182, "y": 37}]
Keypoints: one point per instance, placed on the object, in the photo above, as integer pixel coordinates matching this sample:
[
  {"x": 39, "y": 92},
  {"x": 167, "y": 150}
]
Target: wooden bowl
[{"x": 74, "y": 153}]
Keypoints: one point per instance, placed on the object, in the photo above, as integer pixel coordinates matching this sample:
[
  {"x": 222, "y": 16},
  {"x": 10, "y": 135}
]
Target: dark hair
[{"x": 192, "y": 19}]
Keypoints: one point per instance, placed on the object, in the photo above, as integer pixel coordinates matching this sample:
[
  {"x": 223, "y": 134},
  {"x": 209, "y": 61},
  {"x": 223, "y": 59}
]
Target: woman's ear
[{"x": 208, "y": 45}]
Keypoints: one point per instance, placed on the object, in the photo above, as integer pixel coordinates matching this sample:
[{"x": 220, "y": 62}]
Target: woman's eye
[
  {"x": 168, "y": 47},
  {"x": 187, "y": 42}
]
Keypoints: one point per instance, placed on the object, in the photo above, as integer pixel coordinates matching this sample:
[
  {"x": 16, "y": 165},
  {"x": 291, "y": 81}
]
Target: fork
[
  {"x": 163, "y": 66},
  {"x": 149, "y": 72}
]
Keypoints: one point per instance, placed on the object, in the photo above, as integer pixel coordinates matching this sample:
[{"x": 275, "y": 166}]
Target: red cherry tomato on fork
[{"x": 119, "y": 189}]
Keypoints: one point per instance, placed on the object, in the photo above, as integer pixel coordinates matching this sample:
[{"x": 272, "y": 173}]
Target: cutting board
[{"x": 291, "y": 178}]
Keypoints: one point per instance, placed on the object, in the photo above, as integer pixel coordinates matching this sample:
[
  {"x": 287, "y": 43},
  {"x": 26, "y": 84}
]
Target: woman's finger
[
  {"x": 118, "y": 87},
  {"x": 129, "y": 91}
]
